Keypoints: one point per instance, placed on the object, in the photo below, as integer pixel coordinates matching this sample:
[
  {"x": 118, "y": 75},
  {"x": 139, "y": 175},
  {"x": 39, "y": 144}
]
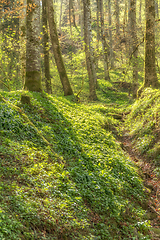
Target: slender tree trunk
[
  {"x": 81, "y": 17},
  {"x": 98, "y": 32},
  {"x": 60, "y": 17},
  {"x": 72, "y": 17},
  {"x": 104, "y": 43},
  {"x": 134, "y": 42},
  {"x": 89, "y": 50},
  {"x": 22, "y": 26},
  {"x": 56, "y": 49},
  {"x": 156, "y": 8},
  {"x": 150, "y": 68},
  {"x": 46, "y": 48},
  {"x": 140, "y": 11},
  {"x": 110, "y": 33},
  {"x": 65, "y": 19},
  {"x": 33, "y": 69},
  {"x": 125, "y": 18},
  {"x": 117, "y": 18}
]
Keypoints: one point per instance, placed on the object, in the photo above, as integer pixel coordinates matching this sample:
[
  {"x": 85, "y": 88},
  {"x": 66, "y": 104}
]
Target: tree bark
[
  {"x": 134, "y": 42},
  {"x": 110, "y": 34},
  {"x": 157, "y": 8},
  {"x": 98, "y": 32},
  {"x": 140, "y": 11},
  {"x": 150, "y": 68},
  {"x": 22, "y": 27},
  {"x": 104, "y": 44},
  {"x": 33, "y": 69},
  {"x": 89, "y": 50},
  {"x": 46, "y": 48},
  {"x": 117, "y": 18},
  {"x": 56, "y": 49}
]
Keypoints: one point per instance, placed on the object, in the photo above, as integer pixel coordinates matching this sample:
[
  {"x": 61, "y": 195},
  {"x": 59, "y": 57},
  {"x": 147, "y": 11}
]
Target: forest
[{"x": 79, "y": 119}]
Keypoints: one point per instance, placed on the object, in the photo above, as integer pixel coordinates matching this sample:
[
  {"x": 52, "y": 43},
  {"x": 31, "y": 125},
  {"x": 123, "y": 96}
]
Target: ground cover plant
[
  {"x": 65, "y": 176},
  {"x": 144, "y": 125}
]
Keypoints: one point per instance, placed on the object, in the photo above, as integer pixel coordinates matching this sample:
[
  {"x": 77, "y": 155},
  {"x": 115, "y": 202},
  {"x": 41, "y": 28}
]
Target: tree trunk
[
  {"x": 46, "y": 48},
  {"x": 89, "y": 50},
  {"x": 81, "y": 17},
  {"x": 104, "y": 43},
  {"x": 110, "y": 33},
  {"x": 140, "y": 11},
  {"x": 98, "y": 32},
  {"x": 56, "y": 49},
  {"x": 134, "y": 42},
  {"x": 72, "y": 14},
  {"x": 156, "y": 8},
  {"x": 22, "y": 26},
  {"x": 125, "y": 18},
  {"x": 117, "y": 18},
  {"x": 60, "y": 17},
  {"x": 150, "y": 68},
  {"x": 33, "y": 69}
]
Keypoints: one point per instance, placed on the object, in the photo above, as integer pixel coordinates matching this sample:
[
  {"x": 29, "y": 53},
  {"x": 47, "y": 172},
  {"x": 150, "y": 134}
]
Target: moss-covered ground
[{"x": 64, "y": 174}]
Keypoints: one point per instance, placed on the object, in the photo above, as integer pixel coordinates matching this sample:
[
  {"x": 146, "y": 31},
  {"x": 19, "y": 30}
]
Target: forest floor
[
  {"x": 74, "y": 170},
  {"x": 150, "y": 180}
]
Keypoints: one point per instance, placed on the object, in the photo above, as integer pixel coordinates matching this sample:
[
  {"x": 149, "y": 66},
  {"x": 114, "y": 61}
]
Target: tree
[
  {"x": 133, "y": 42},
  {"x": 110, "y": 33},
  {"x": 104, "y": 43},
  {"x": 117, "y": 18},
  {"x": 33, "y": 69},
  {"x": 46, "y": 48},
  {"x": 56, "y": 50},
  {"x": 150, "y": 68},
  {"x": 89, "y": 50},
  {"x": 22, "y": 38}
]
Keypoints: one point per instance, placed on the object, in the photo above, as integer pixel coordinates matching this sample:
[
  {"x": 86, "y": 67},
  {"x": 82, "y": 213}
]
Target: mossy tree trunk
[
  {"x": 150, "y": 68},
  {"x": 46, "y": 48},
  {"x": 89, "y": 50},
  {"x": 33, "y": 69},
  {"x": 56, "y": 50},
  {"x": 133, "y": 43}
]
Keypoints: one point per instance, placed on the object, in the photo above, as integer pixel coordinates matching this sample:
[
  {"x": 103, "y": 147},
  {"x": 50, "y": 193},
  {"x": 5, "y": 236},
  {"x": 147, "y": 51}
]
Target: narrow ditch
[{"x": 151, "y": 183}]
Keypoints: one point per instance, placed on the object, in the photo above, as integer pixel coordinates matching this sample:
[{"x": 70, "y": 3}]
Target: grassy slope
[
  {"x": 143, "y": 124},
  {"x": 80, "y": 186}
]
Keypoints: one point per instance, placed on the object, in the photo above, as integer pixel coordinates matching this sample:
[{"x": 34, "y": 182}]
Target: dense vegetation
[
  {"x": 63, "y": 173},
  {"x": 71, "y": 167}
]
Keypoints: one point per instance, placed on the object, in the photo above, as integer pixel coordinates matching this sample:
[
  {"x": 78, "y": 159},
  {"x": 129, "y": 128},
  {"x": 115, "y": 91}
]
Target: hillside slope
[
  {"x": 63, "y": 175},
  {"x": 143, "y": 124}
]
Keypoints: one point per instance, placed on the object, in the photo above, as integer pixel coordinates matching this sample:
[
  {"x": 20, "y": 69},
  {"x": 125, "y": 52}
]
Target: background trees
[{"x": 114, "y": 46}]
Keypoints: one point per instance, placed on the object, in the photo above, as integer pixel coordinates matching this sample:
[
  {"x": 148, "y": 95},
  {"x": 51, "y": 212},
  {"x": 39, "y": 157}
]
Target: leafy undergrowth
[
  {"x": 79, "y": 184},
  {"x": 143, "y": 124}
]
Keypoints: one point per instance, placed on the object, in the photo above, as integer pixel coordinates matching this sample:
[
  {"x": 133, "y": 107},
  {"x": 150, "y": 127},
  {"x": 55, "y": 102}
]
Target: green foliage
[
  {"x": 144, "y": 122},
  {"x": 81, "y": 186}
]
